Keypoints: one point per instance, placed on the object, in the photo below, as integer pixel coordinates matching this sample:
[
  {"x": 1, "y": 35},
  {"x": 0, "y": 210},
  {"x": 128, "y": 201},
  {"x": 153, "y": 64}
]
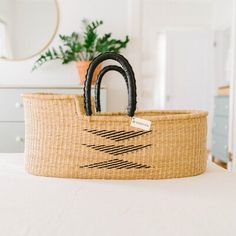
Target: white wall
[
  {"x": 221, "y": 23},
  {"x": 115, "y": 16},
  {"x": 141, "y": 19},
  {"x": 161, "y": 15},
  {"x": 222, "y": 13}
]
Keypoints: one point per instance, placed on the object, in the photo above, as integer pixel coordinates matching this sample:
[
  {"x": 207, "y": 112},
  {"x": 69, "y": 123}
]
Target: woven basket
[{"x": 64, "y": 139}]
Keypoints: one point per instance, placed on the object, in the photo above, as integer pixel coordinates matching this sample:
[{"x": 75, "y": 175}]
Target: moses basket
[{"x": 66, "y": 138}]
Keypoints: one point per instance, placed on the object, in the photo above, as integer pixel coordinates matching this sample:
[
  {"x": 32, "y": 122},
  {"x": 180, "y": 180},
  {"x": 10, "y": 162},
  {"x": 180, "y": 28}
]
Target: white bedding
[{"x": 204, "y": 205}]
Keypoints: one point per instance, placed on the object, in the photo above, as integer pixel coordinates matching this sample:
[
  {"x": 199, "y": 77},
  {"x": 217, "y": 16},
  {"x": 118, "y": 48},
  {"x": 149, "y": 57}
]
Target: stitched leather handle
[
  {"x": 99, "y": 80},
  {"x": 128, "y": 71}
]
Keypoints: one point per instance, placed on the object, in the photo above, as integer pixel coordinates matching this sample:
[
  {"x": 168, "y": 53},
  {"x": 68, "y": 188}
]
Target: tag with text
[{"x": 141, "y": 123}]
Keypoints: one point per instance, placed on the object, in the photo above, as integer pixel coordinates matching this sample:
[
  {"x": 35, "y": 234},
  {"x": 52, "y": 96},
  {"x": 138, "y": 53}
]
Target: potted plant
[{"x": 82, "y": 47}]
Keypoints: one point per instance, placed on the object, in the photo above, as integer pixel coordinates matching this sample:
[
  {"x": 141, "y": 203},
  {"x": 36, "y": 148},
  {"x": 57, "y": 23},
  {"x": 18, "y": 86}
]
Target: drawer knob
[
  {"x": 18, "y": 105},
  {"x": 19, "y": 139}
]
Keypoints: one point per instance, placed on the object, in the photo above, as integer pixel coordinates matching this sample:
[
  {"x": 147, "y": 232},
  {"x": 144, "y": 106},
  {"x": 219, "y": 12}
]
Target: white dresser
[{"x": 12, "y": 113}]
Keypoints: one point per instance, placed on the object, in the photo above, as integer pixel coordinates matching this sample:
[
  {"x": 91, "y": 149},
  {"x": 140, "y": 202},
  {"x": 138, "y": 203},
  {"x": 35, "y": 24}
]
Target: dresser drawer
[
  {"x": 220, "y": 147},
  {"x": 221, "y": 125},
  {"x": 11, "y": 105},
  {"x": 222, "y": 106},
  {"x": 12, "y": 137}
]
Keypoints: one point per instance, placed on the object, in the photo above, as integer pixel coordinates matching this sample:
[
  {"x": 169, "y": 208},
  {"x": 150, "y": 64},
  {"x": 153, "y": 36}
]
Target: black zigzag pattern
[
  {"x": 116, "y": 150},
  {"x": 115, "y": 164},
  {"x": 117, "y": 135}
]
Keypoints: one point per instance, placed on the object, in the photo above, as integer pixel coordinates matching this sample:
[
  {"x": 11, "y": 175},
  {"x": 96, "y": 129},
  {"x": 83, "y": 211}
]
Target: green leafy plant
[{"x": 82, "y": 46}]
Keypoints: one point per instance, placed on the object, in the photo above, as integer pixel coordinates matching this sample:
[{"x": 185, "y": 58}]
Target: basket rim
[
  {"x": 49, "y": 96},
  {"x": 153, "y": 115}
]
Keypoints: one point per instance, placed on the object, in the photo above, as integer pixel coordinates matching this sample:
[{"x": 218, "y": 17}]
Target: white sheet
[{"x": 38, "y": 206}]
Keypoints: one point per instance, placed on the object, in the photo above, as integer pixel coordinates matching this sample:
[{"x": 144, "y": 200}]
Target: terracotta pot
[{"x": 82, "y": 67}]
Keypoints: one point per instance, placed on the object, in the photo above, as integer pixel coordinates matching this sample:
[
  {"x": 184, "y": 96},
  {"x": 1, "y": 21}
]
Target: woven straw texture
[{"x": 62, "y": 142}]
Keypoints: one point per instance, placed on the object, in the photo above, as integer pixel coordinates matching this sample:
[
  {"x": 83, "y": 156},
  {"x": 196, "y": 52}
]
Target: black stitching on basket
[
  {"x": 111, "y": 134},
  {"x": 115, "y": 164},
  {"x": 117, "y": 150},
  {"x": 105, "y": 165},
  {"x": 130, "y": 136},
  {"x": 117, "y": 135},
  {"x": 131, "y": 149},
  {"x": 121, "y": 133}
]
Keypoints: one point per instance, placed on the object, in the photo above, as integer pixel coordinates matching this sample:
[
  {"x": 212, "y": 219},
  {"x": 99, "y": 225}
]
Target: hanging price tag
[{"x": 141, "y": 123}]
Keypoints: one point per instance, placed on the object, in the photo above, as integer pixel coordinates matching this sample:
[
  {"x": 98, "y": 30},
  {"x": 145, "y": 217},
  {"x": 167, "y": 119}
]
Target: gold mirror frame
[{"x": 49, "y": 42}]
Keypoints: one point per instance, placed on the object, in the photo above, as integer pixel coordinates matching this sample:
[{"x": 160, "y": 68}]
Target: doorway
[{"x": 185, "y": 71}]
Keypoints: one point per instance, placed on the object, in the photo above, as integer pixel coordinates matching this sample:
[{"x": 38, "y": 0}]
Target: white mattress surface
[{"x": 204, "y": 205}]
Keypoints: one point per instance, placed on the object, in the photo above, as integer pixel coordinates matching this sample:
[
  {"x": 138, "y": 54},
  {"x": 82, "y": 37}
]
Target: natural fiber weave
[{"x": 62, "y": 141}]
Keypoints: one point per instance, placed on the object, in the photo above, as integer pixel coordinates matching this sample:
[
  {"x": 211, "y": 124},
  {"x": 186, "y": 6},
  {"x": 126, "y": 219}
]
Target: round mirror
[{"x": 27, "y": 27}]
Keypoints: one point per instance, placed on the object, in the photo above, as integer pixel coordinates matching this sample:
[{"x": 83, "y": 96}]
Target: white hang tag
[{"x": 141, "y": 123}]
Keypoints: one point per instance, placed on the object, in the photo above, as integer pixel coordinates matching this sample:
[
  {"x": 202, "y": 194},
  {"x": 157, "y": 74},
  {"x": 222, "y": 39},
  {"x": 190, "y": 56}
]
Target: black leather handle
[
  {"x": 99, "y": 80},
  {"x": 132, "y": 97}
]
